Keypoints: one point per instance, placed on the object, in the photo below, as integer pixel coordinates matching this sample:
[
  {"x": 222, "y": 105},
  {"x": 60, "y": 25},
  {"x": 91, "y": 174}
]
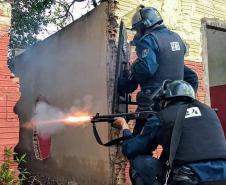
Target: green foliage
[
  {"x": 28, "y": 18},
  {"x": 8, "y": 176}
]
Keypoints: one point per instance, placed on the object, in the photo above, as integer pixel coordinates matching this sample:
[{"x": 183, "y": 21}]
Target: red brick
[
  {"x": 2, "y": 148},
  {"x": 7, "y": 83},
  {"x": 11, "y": 97},
  {"x": 8, "y": 135},
  {"x": 6, "y": 124},
  {"x": 2, "y": 103},
  {"x": 9, "y": 141},
  {"x": 9, "y": 109},
  {"x": 4, "y": 77},
  {"x": 3, "y": 115},
  {"x": 11, "y": 103},
  {"x": 11, "y": 115},
  {"x": 2, "y": 109},
  {"x": 9, "y": 93},
  {"x": 4, "y": 71},
  {"x": 12, "y": 119},
  {"x": 9, "y": 129}
]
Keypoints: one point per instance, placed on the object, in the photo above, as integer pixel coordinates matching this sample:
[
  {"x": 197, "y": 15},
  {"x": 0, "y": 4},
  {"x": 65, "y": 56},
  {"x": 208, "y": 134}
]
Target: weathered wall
[
  {"x": 9, "y": 91},
  {"x": 216, "y": 44},
  {"x": 68, "y": 67},
  {"x": 182, "y": 16}
]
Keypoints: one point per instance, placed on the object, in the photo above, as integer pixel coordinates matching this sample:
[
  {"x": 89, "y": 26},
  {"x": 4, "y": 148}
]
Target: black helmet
[
  {"x": 178, "y": 88},
  {"x": 145, "y": 17}
]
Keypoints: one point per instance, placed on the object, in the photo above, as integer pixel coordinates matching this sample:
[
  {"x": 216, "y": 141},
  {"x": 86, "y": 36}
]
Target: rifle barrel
[{"x": 110, "y": 118}]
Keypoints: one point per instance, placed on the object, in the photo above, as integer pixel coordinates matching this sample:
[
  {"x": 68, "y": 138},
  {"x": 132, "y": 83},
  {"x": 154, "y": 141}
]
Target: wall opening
[{"x": 216, "y": 54}]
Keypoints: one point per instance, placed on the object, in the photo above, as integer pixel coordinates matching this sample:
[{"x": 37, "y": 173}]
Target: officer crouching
[{"x": 194, "y": 146}]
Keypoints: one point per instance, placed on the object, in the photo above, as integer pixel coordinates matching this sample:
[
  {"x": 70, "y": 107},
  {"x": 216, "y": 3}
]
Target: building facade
[{"x": 9, "y": 91}]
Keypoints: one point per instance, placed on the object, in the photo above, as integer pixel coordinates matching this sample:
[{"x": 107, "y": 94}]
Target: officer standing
[
  {"x": 192, "y": 137},
  {"x": 160, "y": 55}
]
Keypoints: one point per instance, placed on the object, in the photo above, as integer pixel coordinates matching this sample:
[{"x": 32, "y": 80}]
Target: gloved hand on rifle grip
[{"x": 121, "y": 122}]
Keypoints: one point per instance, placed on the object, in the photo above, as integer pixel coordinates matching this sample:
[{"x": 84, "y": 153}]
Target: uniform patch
[
  {"x": 175, "y": 46},
  {"x": 193, "y": 112},
  {"x": 145, "y": 53}
]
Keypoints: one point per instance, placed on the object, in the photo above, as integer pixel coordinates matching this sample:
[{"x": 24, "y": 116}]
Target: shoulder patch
[
  {"x": 193, "y": 112},
  {"x": 175, "y": 46},
  {"x": 145, "y": 53}
]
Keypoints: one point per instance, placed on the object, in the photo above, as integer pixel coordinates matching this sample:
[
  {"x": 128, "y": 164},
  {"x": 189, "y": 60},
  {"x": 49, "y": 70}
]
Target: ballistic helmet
[
  {"x": 178, "y": 88},
  {"x": 145, "y": 17}
]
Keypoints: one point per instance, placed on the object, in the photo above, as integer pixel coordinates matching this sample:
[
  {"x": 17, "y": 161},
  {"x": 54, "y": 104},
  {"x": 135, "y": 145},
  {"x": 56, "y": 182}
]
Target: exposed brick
[
  {"x": 4, "y": 130},
  {"x": 11, "y": 115},
  {"x": 3, "y": 115},
  {"x": 10, "y": 103},
  {"x": 9, "y": 135},
  {"x": 9, "y": 141},
  {"x": 9, "y": 92},
  {"x": 3, "y": 109},
  {"x": 5, "y": 124}
]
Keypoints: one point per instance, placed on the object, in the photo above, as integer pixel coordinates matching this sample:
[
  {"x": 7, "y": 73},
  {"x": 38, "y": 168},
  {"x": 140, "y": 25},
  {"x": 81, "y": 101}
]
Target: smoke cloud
[{"x": 48, "y": 120}]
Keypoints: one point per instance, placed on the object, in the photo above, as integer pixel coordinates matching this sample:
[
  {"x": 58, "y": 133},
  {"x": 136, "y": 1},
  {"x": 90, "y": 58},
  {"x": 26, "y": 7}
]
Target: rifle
[{"x": 111, "y": 118}]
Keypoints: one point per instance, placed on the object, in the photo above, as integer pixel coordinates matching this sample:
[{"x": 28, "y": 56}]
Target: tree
[{"x": 30, "y": 17}]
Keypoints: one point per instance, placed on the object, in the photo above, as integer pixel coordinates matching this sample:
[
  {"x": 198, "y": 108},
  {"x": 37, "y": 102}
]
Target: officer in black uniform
[
  {"x": 160, "y": 55},
  {"x": 192, "y": 138}
]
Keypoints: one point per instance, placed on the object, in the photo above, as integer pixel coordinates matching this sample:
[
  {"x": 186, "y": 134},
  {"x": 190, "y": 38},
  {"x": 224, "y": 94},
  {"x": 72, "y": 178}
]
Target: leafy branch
[
  {"x": 30, "y": 17},
  {"x": 8, "y": 174}
]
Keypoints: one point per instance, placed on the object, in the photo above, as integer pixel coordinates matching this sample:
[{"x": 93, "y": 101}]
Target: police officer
[
  {"x": 160, "y": 55},
  {"x": 200, "y": 154}
]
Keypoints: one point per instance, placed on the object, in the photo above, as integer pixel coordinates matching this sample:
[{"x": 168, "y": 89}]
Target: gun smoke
[{"x": 48, "y": 120}]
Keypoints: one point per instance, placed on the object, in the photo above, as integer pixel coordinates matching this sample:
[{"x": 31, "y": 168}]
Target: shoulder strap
[
  {"x": 116, "y": 141},
  {"x": 176, "y": 134}
]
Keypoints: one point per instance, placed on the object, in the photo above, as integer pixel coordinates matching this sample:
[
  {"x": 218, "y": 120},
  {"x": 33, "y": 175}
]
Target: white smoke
[
  {"x": 44, "y": 119},
  {"x": 48, "y": 120}
]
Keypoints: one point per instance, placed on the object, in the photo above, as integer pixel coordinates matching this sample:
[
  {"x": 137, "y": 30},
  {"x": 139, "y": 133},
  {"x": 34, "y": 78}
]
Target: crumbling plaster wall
[
  {"x": 68, "y": 69},
  {"x": 118, "y": 164}
]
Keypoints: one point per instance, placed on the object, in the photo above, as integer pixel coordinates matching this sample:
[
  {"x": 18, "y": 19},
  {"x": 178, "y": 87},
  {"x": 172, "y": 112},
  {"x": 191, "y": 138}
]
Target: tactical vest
[
  {"x": 170, "y": 58},
  {"x": 202, "y": 136}
]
